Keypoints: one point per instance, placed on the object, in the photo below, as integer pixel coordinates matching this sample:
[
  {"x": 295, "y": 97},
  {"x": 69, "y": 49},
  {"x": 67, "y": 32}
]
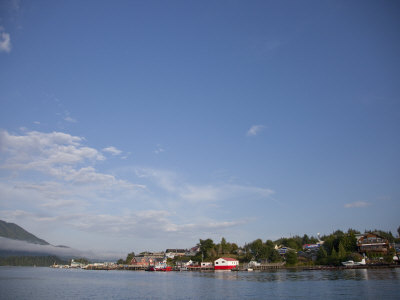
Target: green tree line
[{"x": 39, "y": 261}]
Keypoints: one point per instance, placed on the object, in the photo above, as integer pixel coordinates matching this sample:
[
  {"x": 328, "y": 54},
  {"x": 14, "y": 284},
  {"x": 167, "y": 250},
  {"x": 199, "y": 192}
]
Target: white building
[
  {"x": 226, "y": 263},
  {"x": 206, "y": 264}
]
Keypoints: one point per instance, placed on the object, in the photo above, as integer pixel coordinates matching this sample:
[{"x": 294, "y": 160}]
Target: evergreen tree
[
  {"x": 291, "y": 258},
  {"x": 322, "y": 256},
  {"x": 342, "y": 252},
  {"x": 274, "y": 256},
  {"x": 129, "y": 258},
  {"x": 334, "y": 253}
]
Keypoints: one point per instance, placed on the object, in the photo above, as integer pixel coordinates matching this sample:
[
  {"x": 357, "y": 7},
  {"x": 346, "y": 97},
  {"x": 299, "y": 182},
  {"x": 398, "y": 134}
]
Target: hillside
[{"x": 15, "y": 232}]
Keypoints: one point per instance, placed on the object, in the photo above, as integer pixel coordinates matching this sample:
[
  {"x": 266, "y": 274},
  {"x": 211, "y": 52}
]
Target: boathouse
[{"x": 226, "y": 263}]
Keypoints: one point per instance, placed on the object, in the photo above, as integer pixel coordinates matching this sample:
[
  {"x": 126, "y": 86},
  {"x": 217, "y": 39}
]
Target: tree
[
  {"x": 322, "y": 256},
  {"x": 234, "y": 248},
  {"x": 333, "y": 259},
  {"x": 305, "y": 239},
  {"x": 349, "y": 241},
  {"x": 334, "y": 253},
  {"x": 205, "y": 248},
  {"x": 342, "y": 252},
  {"x": 274, "y": 256},
  {"x": 398, "y": 231},
  {"x": 82, "y": 260},
  {"x": 129, "y": 258},
  {"x": 388, "y": 258},
  {"x": 224, "y": 246},
  {"x": 291, "y": 258}
]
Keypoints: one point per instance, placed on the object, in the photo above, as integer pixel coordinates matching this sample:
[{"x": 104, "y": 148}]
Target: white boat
[
  {"x": 249, "y": 269},
  {"x": 351, "y": 263}
]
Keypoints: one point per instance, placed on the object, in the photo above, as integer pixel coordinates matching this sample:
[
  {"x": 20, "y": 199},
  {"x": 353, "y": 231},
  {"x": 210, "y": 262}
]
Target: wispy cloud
[
  {"x": 145, "y": 223},
  {"x": 357, "y": 204},
  {"x": 159, "y": 149},
  {"x": 112, "y": 150},
  {"x": 194, "y": 193},
  {"x": 255, "y": 130},
  {"x": 5, "y": 41},
  {"x": 69, "y": 119},
  {"x": 53, "y": 176}
]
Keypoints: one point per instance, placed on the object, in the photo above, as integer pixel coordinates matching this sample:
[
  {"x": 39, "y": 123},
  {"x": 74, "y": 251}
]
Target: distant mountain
[
  {"x": 15, "y": 232},
  {"x": 16, "y": 241}
]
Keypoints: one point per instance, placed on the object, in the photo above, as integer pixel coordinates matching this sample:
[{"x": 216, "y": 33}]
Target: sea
[{"x": 47, "y": 283}]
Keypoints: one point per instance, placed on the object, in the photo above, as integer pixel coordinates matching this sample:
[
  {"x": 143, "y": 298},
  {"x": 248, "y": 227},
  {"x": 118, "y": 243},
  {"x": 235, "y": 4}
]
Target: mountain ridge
[{"x": 15, "y": 232}]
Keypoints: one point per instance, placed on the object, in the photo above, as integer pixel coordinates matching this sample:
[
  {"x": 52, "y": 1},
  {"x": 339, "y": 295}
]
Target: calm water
[{"x": 46, "y": 283}]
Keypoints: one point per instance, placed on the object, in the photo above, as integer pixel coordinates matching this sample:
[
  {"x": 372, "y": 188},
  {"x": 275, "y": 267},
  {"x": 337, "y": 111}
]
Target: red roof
[{"x": 229, "y": 259}]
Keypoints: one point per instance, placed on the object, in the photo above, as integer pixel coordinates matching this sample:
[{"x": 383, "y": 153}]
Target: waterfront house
[
  {"x": 142, "y": 261},
  {"x": 282, "y": 250},
  {"x": 192, "y": 251},
  {"x": 226, "y": 263},
  {"x": 185, "y": 263},
  {"x": 206, "y": 264},
  {"x": 171, "y": 253},
  {"x": 254, "y": 263},
  {"x": 312, "y": 247},
  {"x": 372, "y": 243}
]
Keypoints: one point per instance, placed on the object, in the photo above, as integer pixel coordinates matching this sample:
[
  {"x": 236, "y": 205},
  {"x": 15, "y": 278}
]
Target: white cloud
[
  {"x": 159, "y": 150},
  {"x": 183, "y": 191},
  {"x": 53, "y": 177},
  {"x": 53, "y": 153},
  {"x": 164, "y": 179},
  {"x": 201, "y": 193},
  {"x": 255, "y": 130},
  {"x": 357, "y": 204},
  {"x": 69, "y": 119},
  {"x": 144, "y": 224},
  {"x": 5, "y": 41},
  {"x": 112, "y": 150}
]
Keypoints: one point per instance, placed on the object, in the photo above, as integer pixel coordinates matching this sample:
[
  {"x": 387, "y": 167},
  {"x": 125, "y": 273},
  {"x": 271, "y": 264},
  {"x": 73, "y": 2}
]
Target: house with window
[
  {"x": 206, "y": 264},
  {"x": 282, "y": 250},
  {"x": 226, "y": 263},
  {"x": 142, "y": 261},
  {"x": 372, "y": 243},
  {"x": 171, "y": 253}
]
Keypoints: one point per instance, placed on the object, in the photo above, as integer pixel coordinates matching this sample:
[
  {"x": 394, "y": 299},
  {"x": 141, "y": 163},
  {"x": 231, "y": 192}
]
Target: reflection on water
[
  {"x": 314, "y": 275},
  {"x": 46, "y": 283}
]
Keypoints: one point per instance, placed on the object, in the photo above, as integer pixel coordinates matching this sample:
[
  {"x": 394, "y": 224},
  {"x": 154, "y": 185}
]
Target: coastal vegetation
[
  {"x": 331, "y": 250},
  {"x": 38, "y": 261}
]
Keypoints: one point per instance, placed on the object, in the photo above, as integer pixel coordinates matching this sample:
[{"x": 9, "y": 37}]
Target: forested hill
[{"x": 13, "y": 231}]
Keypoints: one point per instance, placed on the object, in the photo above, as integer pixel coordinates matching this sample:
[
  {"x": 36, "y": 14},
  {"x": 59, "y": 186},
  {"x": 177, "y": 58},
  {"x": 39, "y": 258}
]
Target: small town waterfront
[{"x": 48, "y": 283}]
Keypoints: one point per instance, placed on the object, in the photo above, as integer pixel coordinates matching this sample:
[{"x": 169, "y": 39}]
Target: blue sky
[{"x": 145, "y": 125}]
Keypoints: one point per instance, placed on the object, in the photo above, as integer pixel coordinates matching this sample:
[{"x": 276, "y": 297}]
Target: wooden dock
[{"x": 264, "y": 267}]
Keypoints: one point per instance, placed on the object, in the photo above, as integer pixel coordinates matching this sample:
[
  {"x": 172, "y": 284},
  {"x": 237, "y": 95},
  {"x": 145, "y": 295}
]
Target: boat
[
  {"x": 351, "y": 263},
  {"x": 159, "y": 268}
]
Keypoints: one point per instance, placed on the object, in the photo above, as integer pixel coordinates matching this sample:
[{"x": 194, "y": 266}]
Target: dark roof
[{"x": 176, "y": 250}]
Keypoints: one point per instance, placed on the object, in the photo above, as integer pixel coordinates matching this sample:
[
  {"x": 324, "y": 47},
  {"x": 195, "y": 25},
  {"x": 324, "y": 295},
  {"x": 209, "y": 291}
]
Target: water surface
[{"x": 47, "y": 283}]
